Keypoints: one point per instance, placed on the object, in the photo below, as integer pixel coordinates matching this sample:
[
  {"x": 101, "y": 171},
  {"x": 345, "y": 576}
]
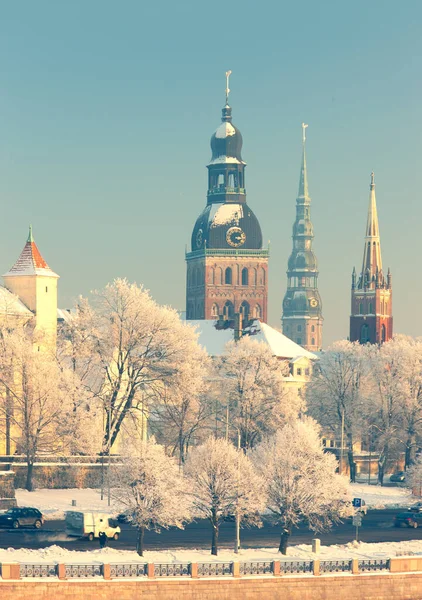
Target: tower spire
[
  {"x": 303, "y": 180},
  {"x": 372, "y": 252},
  {"x": 30, "y": 236},
  {"x": 228, "y": 73}
]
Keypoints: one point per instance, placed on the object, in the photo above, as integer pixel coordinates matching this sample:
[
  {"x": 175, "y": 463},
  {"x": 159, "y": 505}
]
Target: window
[
  {"x": 258, "y": 312},
  {"x": 228, "y": 276},
  {"x": 313, "y": 328},
  {"x": 383, "y": 333},
  {"x": 245, "y": 276},
  {"x": 299, "y": 328},
  {"x": 307, "y": 371},
  {"x": 370, "y": 308},
  {"x": 214, "y": 310},
  {"x": 46, "y": 289},
  {"x": 313, "y": 341},
  {"x": 324, "y": 442},
  {"x": 364, "y": 334},
  {"x": 299, "y": 371},
  {"x": 244, "y": 310},
  {"x": 228, "y": 311},
  {"x": 360, "y": 308}
]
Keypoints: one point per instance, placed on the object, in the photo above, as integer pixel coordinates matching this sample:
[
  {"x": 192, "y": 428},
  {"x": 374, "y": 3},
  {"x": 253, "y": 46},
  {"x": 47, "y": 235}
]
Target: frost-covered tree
[
  {"x": 42, "y": 419},
  {"x": 337, "y": 391},
  {"x": 222, "y": 483},
  {"x": 148, "y": 485},
  {"x": 301, "y": 480},
  {"x": 133, "y": 349},
  {"x": 252, "y": 383},
  {"x": 414, "y": 476}
]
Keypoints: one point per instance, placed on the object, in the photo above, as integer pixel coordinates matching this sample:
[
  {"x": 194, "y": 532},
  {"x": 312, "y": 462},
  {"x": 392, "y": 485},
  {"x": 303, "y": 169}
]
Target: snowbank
[
  {"x": 360, "y": 550},
  {"x": 379, "y": 497}
]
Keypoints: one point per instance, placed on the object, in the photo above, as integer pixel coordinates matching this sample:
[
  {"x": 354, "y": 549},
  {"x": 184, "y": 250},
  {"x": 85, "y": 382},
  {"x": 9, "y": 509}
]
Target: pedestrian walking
[{"x": 103, "y": 539}]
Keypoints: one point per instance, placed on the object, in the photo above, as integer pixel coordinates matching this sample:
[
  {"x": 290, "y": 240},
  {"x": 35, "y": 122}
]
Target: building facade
[
  {"x": 302, "y": 308},
  {"x": 227, "y": 267},
  {"x": 371, "y": 319}
]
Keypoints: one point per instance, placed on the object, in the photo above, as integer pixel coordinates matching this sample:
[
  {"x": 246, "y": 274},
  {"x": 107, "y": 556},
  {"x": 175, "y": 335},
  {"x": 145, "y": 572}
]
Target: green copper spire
[
  {"x": 303, "y": 180},
  {"x": 30, "y": 236}
]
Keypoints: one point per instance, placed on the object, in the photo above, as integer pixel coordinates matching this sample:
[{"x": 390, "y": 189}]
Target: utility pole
[
  {"x": 237, "y": 541},
  {"x": 342, "y": 442}
]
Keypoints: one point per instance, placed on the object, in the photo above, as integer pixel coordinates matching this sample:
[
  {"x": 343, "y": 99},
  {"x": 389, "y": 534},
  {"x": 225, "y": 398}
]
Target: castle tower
[
  {"x": 227, "y": 268},
  {"x": 302, "y": 309},
  {"x": 371, "y": 319},
  {"x": 32, "y": 280}
]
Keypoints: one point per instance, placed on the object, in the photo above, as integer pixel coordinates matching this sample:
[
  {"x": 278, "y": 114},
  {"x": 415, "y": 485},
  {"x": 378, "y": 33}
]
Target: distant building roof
[
  {"x": 64, "y": 315},
  {"x": 11, "y": 305},
  {"x": 214, "y": 340},
  {"x": 30, "y": 261}
]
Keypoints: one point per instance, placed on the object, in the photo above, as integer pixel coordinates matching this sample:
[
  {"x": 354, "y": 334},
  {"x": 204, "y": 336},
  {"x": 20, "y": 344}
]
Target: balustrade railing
[
  {"x": 295, "y": 567},
  {"x": 335, "y": 566},
  {"x": 215, "y": 569},
  {"x": 172, "y": 569},
  {"x": 377, "y": 564},
  {"x": 37, "y": 570},
  {"x": 256, "y": 567},
  {"x": 80, "y": 571},
  {"x": 128, "y": 570}
]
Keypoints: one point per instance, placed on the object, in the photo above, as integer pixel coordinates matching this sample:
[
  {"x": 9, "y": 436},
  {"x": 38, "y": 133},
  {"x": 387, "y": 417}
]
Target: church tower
[
  {"x": 302, "y": 308},
  {"x": 32, "y": 280},
  {"x": 371, "y": 319},
  {"x": 227, "y": 268}
]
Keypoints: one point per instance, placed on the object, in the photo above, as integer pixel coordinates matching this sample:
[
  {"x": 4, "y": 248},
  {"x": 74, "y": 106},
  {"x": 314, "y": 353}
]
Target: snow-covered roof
[
  {"x": 226, "y": 213},
  {"x": 30, "y": 262},
  {"x": 227, "y": 159},
  {"x": 65, "y": 314},
  {"x": 224, "y": 130},
  {"x": 214, "y": 340},
  {"x": 11, "y": 305}
]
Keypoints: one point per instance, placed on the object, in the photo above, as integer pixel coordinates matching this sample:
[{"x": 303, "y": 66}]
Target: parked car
[
  {"x": 398, "y": 477},
  {"x": 21, "y": 517},
  {"x": 416, "y": 507},
  {"x": 408, "y": 519}
]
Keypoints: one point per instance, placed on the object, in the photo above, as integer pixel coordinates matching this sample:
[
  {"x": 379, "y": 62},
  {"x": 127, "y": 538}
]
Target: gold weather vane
[
  {"x": 228, "y": 73},
  {"x": 304, "y": 126}
]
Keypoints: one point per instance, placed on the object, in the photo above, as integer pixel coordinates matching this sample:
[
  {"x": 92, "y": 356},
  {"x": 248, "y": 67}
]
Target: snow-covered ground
[
  {"x": 53, "y": 503},
  {"x": 55, "y": 554},
  {"x": 379, "y": 497}
]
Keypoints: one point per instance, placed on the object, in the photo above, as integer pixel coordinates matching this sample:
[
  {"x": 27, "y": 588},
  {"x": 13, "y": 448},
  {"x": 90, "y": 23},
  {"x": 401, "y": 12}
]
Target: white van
[{"x": 90, "y": 524}]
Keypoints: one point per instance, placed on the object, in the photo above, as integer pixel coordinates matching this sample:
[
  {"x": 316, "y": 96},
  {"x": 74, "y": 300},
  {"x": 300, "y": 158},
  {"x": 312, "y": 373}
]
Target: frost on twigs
[
  {"x": 223, "y": 484},
  {"x": 149, "y": 488},
  {"x": 301, "y": 482}
]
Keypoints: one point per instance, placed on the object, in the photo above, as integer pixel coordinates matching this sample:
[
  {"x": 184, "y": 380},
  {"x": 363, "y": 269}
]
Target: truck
[{"x": 90, "y": 524}]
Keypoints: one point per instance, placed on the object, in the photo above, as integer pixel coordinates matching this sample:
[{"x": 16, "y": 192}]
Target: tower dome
[{"x": 226, "y": 142}]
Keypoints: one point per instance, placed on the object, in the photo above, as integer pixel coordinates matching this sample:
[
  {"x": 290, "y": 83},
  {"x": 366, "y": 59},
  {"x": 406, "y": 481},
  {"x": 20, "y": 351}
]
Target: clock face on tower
[
  {"x": 313, "y": 302},
  {"x": 235, "y": 237}
]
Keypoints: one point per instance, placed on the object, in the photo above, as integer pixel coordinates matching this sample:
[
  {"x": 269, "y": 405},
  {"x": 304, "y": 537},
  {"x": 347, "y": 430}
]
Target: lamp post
[{"x": 237, "y": 540}]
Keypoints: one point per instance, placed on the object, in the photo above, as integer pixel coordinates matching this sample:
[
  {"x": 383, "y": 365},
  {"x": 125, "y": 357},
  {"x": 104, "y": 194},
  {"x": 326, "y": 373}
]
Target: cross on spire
[{"x": 228, "y": 73}]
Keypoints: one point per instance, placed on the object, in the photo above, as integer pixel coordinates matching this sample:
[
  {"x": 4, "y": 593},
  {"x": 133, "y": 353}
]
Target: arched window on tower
[
  {"x": 313, "y": 328},
  {"x": 313, "y": 341},
  {"x": 364, "y": 334},
  {"x": 370, "y": 308},
  {"x": 220, "y": 181},
  {"x": 360, "y": 308},
  {"x": 228, "y": 276},
  {"x": 258, "y": 312},
  {"x": 211, "y": 276},
  {"x": 214, "y": 311},
  {"x": 383, "y": 333},
  {"x": 262, "y": 276},
  {"x": 245, "y": 276},
  {"x": 228, "y": 310},
  {"x": 244, "y": 310},
  {"x": 219, "y": 276},
  {"x": 253, "y": 277}
]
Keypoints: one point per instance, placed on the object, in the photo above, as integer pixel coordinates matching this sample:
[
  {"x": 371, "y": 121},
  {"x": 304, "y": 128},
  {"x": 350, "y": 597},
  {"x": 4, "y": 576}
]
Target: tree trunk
[
  {"x": 352, "y": 465},
  {"x": 284, "y": 540},
  {"x": 409, "y": 457},
  {"x": 140, "y": 541},
  {"x": 381, "y": 469},
  {"x": 29, "y": 473},
  {"x": 214, "y": 543}
]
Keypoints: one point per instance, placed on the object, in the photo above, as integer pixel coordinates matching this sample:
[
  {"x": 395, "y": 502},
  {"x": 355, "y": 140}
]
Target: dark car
[
  {"x": 398, "y": 477},
  {"x": 408, "y": 519},
  {"x": 21, "y": 517},
  {"x": 416, "y": 507}
]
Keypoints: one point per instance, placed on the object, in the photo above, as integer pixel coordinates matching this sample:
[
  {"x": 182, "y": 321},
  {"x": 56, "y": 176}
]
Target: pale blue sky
[{"x": 107, "y": 108}]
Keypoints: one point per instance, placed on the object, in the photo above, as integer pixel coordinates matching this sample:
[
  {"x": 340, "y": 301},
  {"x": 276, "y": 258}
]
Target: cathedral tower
[
  {"x": 32, "y": 280},
  {"x": 227, "y": 268},
  {"x": 302, "y": 309},
  {"x": 371, "y": 319}
]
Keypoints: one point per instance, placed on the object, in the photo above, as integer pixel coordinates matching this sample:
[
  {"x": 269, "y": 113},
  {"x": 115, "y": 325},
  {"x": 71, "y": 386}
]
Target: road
[{"x": 377, "y": 527}]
